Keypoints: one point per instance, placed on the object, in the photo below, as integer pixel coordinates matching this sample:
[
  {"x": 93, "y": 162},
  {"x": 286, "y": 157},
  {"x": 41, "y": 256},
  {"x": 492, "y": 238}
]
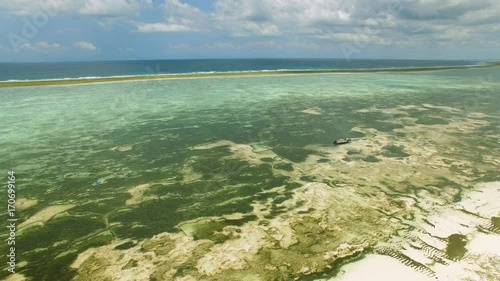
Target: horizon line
[{"x": 243, "y": 58}]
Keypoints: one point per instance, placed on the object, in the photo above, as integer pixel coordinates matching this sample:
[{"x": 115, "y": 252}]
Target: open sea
[
  {"x": 238, "y": 178},
  {"x": 82, "y": 70}
]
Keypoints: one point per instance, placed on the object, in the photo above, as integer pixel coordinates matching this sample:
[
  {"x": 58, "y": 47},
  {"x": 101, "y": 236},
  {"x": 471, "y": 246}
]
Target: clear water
[{"x": 61, "y": 140}]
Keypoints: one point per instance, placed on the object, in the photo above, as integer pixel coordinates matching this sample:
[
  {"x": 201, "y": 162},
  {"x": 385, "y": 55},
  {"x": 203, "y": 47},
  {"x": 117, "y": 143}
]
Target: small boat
[{"x": 341, "y": 141}]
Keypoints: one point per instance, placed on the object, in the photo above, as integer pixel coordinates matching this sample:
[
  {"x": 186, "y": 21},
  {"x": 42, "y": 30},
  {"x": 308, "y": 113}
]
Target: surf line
[{"x": 11, "y": 221}]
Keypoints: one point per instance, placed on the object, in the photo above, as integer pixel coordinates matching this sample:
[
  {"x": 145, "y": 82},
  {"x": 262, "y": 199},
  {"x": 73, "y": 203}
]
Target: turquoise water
[
  {"x": 61, "y": 70},
  {"x": 61, "y": 140}
]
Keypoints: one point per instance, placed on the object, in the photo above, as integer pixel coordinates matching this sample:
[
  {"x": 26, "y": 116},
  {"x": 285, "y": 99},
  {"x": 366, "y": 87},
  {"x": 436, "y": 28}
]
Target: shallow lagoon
[{"x": 237, "y": 177}]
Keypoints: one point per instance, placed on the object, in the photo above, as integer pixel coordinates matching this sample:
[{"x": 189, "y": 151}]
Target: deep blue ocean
[{"x": 62, "y": 70}]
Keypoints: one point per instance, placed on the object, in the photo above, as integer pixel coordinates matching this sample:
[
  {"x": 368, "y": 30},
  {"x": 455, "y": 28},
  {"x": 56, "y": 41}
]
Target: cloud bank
[{"x": 327, "y": 27}]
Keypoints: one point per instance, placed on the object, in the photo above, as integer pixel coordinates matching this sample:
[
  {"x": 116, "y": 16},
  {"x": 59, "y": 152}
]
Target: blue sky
[{"x": 61, "y": 30}]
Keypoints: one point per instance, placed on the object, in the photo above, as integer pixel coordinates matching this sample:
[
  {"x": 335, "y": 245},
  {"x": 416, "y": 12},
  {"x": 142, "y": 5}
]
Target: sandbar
[
  {"x": 227, "y": 74},
  {"x": 46, "y": 214}
]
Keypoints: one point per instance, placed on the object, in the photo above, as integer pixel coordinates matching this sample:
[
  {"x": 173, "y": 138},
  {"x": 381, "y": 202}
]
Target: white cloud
[
  {"x": 27, "y": 46},
  {"x": 87, "y": 46},
  {"x": 82, "y": 7},
  {"x": 163, "y": 27},
  {"x": 47, "y": 45},
  {"x": 182, "y": 46},
  {"x": 326, "y": 19},
  {"x": 489, "y": 14},
  {"x": 274, "y": 17},
  {"x": 32, "y": 7},
  {"x": 176, "y": 8},
  {"x": 254, "y": 28},
  {"x": 301, "y": 24},
  {"x": 443, "y": 9},
  {"x": 43, "y": 46},
  {"x": 264, "y": 44},
  {"x": 111, "y": 7},
  {"x": 368, "y": 21},
  {"x": 380, "y": 22},
  {"x": 220, "y": 46},
  {"x": 179, "y": 17}
]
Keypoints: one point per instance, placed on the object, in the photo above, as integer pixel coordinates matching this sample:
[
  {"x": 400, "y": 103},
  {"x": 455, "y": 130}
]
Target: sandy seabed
[
  {"x": 394, "y": 215},
  {"x": 413, "y": 197}
]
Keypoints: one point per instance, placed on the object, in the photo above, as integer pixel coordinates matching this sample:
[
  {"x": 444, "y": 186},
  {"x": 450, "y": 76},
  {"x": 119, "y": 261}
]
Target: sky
[{"x": 76, "y": 30}]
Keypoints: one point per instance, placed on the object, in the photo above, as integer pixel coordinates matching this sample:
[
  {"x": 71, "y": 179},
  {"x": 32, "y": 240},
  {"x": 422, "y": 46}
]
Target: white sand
[
  {"x": 446, "y": 108},
  {"x": 251, "y": 153},
  {"x": 312, "y": 111},
  {"x": 355, "y": 214},
  {"x": 123, "y": 148},
  {"x": 213, "y": 145},
  {"x": 136, "y": 193},
  {"x": 484, "y": 243},
  {"x": 378, "y": 267},
  {"x": 189, "y": 175},
  {"x": 46, "y": 214},
  {"x": 483, "y": 250},
  {"x": 25, "y": 203},
  {"x": 484, "y": 201}
]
